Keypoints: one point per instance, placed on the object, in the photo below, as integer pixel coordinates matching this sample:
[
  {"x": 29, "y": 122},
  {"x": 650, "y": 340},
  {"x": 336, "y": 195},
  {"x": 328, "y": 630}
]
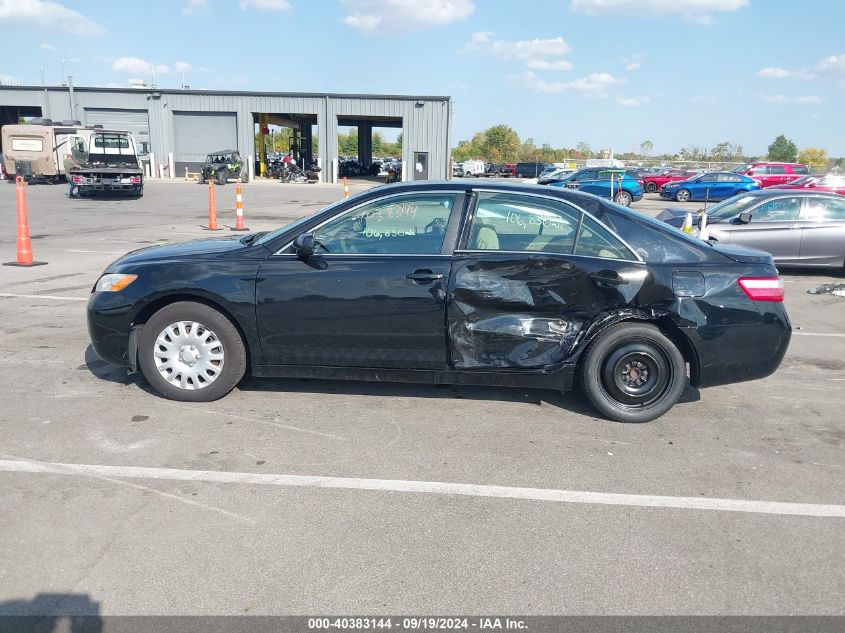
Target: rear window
[
  {"x": 800, "y": 169},
  {"x": 111, "y": 142}
]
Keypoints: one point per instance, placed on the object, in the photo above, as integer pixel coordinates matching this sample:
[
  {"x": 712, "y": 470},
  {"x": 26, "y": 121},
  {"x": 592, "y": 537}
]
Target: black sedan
[
  {"x": 450, "y": 282},
  {"x": 798, "y": 227}
]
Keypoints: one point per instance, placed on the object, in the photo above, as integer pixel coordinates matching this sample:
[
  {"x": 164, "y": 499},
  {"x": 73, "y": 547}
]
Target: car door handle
[
  {"x": 424, "y": 275},
  {"x": 793, "y": 226},
  {"x": 606, "y": 277}
]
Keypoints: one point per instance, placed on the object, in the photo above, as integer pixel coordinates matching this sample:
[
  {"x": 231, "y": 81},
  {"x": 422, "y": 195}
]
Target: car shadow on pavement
[
  {"x": 572, "y": 401},
  {"x": 52, "y": 613}
]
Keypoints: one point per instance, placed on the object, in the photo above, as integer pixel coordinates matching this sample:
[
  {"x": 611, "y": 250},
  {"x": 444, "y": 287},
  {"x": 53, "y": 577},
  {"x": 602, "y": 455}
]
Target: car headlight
[{"x": 114, "y": 282}]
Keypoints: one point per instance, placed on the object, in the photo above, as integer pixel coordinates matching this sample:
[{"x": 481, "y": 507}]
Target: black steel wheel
[
  {"x": 633, "y": 373},
  {"x": 651, "y": 187}
]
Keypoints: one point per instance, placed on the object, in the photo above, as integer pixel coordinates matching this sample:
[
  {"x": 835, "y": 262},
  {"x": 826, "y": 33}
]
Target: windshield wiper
[{"x": 249, "y": 239}]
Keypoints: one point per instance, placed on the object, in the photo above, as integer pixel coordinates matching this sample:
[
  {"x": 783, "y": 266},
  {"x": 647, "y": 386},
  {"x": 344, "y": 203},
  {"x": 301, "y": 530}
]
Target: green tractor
[{"x": 222, "y": 165}]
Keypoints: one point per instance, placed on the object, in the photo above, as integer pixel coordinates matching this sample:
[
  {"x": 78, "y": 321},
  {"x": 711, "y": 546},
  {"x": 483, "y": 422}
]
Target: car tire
[
  {"x": 683, "y": 195},
  {"x": 245, "y": 176},
  {"x": 632, "y": 373},
  {"x": 650, "y": 187},
  {"x": 222, "y": 176},
  {"x": 624, "y": 198},
  {"x": 159, "y": 356}
]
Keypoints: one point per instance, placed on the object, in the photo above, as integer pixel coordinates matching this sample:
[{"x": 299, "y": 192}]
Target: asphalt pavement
[{"x": 305, "y": 496}]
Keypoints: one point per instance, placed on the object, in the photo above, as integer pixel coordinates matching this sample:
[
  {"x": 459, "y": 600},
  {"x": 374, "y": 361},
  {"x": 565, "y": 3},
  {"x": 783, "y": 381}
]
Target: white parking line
[
  {"x": 53, "y": 297},
  {"x": 797, "y": 333},
  {"x": 432, "y": 487}
]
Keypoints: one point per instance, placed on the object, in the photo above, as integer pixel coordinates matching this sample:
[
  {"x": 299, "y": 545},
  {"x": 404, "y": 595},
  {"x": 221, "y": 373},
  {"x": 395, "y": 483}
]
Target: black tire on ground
[
  {"x": 632, "y": 373},
  {"x": 234, "y": 363},
  {"x": 651, "y": 187},
  {"x": 245, "y": 176},
  {"x": 683, "y": 195},
  {"x": 140, "y": 193},
  {"x": 222, "y": 176},
  {"x": 624, "y": 198}
]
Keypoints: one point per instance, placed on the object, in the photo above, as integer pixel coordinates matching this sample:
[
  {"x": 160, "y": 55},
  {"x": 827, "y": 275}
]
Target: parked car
[
  {"x": 798, "y": 227},
  {"x": 772, "y": 174},
  {"x": 653, "y": 182},
  {"x": 506, "y": 285},
  {"x": 508, "y": 170},
  {"x": 712, "y": 186},
  {"x": 613, "y": 184},
  {"x": 529, "y": 170},
  {"x": 549, "y": 177},
  {"x": 830, "y": 183}
]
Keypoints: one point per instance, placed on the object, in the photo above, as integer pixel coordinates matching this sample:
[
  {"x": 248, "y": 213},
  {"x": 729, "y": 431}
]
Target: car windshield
[
  {"x": 730, "y": 207},
  {"x": 741, "y": 169},
  {"x": 804, "y": 180}
]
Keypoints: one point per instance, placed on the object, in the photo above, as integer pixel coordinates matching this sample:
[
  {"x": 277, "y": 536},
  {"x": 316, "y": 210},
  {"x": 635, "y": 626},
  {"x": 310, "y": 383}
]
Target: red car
[
  {"x": 772, "y": 174},
  {"x": 655, "y": 182},
  {"x": 830, "y": 183}
]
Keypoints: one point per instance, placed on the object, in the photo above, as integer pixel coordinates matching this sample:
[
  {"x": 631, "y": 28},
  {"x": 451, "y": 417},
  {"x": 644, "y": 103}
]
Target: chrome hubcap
[{"x": 188, "y": 355}]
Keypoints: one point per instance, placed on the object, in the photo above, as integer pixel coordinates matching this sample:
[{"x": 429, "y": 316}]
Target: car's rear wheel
[
  {"x": 191, "y": 352},
  {"x": 222, "y": 176},
  {"x": 683, "y": 195},
  {"x": 633, "y": 373},
  {"x": 623, "y": 198},
  {"x": 650, "y": 187}
]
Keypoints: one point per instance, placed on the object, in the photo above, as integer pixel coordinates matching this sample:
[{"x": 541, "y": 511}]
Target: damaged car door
[{"x": 530, "y": 273}]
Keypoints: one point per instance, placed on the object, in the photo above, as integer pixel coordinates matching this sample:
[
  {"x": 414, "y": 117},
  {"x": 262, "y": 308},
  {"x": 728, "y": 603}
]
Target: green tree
[
  {"x": 467, "y": 150},
  {"x": 783, "y": 149},
  {"x": 584, "y": 149},
  {"x": 646, "y": 148},
  {"x": 501, "y": 144},
  {"x": 726, "y": 151},
  {"x": 814, "y": 158}
]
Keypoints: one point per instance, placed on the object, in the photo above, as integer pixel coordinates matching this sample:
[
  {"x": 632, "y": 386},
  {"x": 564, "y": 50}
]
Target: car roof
[{"x": 772, "y": 192}]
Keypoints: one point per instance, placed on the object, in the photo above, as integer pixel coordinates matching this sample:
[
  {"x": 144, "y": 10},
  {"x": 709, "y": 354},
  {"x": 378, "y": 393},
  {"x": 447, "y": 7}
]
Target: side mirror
[
  {"x": 744, "y": 217},
  {"x": 304, "y": 245}
]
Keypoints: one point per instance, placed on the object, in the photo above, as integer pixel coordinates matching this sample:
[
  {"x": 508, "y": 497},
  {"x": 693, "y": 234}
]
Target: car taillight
[
  {"x": 135, "y": 180},
  {"x": 78, "y": 179},
  {"x": 762, "y": 288}
]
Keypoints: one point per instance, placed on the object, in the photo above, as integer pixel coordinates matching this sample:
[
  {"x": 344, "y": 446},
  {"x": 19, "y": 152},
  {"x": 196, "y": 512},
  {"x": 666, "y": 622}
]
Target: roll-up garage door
[
  {"x": 198, "y": 133},
  {"x": 135, "y": 121}
]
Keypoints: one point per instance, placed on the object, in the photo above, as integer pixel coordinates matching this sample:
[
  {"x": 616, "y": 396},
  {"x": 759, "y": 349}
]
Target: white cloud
[
  {"x": 537, "y": 54},
  {"x": 633, "y": 62},
  {"x": 8, "y": 79},
  {"x": 47, "y": 14},
  {"x": 195, "y": 6},
  {"x": 46, "y": 47},
  {"x": 135, "y": 66},
  {"x": 542, "y": 64},
  {"x": 399, "y": 16},
  {"x": 833, "y": 66},
  {"x": 697, "y": 11},
  {"x": 808, "y": 99},
  {"x": 774, "y": 98},
  {"x": 266, "y": 5},
  {"x": 775, "y": 73},
  {"x": 182, "y": 67},
  {"x": 632, "y": 101},
  {"x": 595, "y": 83}
]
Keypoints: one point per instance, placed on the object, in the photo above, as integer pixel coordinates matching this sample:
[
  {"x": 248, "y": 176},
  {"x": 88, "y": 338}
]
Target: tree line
[{"x": 501, "y": 144}]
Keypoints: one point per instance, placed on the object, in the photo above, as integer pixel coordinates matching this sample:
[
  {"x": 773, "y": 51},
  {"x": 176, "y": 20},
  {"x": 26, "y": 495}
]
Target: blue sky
[{"x": 612, "y": 73}]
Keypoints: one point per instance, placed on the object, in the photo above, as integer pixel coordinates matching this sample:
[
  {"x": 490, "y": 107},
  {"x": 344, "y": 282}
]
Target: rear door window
[
  {"x": 825, "y": 209},
  {"x": 777, "y": 169},
  {"x": 595, "y": 240},
  {"x": 513, "y": 222}
]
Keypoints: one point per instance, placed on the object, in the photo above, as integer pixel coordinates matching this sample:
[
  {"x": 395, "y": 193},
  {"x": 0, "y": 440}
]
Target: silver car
[{"x": 799, "y": 228}]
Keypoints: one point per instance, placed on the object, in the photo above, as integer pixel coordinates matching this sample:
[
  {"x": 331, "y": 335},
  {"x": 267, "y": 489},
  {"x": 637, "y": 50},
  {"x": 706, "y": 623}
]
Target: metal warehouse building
[{"x": 190, "y": 123}]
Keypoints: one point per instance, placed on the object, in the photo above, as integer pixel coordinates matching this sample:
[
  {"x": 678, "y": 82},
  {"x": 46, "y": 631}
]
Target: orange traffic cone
[
  {"x": 239, "y": 209},
  {"x": 345, "y": 187},
  {"x": 24, "y": 244},
  {"x": 212, "y": 209}
]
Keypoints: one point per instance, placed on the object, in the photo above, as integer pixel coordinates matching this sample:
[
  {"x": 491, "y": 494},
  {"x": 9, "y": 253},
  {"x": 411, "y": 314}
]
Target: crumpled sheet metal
[
  {"x": 508, "y": 314},
  {"x": 828, "y": 289}
]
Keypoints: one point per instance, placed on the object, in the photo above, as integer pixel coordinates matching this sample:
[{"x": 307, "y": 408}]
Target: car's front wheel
[
  {"x": 683, "y": 195},
  {"x": 623, "y": 198},
  {"x": 223, "y": 176},
  {"x": 633, "y": 373},
  {"x": 651, "y": 187},
  {"x": 191, "y": 352}
]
